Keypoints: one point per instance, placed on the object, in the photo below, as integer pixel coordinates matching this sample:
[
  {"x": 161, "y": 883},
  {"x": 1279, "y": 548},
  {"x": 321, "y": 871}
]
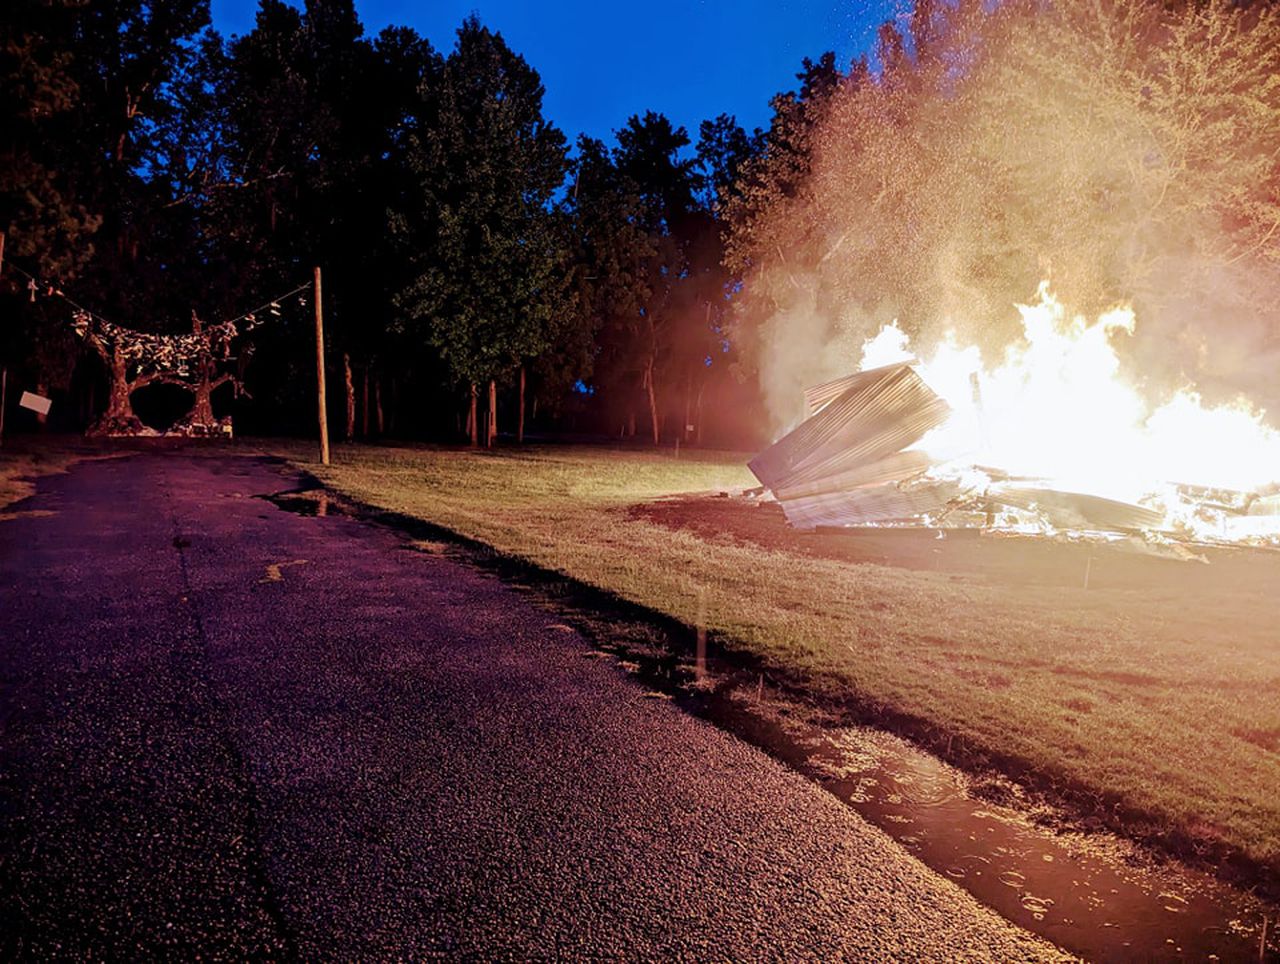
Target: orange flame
[{"x": 1057, "y": 408}]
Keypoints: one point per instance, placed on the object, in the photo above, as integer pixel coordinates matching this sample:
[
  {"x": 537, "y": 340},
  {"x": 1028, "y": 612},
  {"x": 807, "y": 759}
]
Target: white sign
[{"x": 37, "y": 403}]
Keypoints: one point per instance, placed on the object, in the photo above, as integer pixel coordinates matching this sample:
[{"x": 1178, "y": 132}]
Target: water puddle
[
  {"x": 307, "y": 501},
  {"x": 1092, "y": 894}
]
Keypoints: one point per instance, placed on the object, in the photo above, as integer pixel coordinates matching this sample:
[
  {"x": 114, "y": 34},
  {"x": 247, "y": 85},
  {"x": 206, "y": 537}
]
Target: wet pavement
[
  {"x": 234, "y": 731},
  {"x": 1087, "y": 891}
]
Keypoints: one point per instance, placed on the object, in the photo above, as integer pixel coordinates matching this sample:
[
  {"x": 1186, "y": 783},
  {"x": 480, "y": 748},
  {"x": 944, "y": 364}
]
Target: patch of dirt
[
  {"x": 971, "y": 554},
  {"x": 27, "y": 514}
]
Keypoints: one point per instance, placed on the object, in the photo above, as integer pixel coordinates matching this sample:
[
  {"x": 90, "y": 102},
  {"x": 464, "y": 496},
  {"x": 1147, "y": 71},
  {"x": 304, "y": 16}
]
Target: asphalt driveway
[{"x": 234, "y": 731}]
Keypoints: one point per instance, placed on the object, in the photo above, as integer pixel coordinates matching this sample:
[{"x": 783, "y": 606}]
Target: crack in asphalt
[{"x": 215, "y": 714}]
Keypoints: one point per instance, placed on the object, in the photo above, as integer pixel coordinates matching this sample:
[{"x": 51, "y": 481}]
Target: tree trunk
[
  {"x": 520, "y": 422},
  {"x": 378, "y": 421},
  {"x": 202, "y": 409},
  {"x": 350, "y": 386},
  {"x": 491, "y": 433},
  {"x": 201, "y": 412},
  {"x": 42, "y": 419},
  {"x": 119, "y": 406},
  {"x": 364, "y": 402},
  {"x": 473, "y": 429},
  {"x": 653, "y": 400},
  {"x": 688, "y": 400},
  {"x": 697, "y": 415},
  {"x": 118, "y": 419}
]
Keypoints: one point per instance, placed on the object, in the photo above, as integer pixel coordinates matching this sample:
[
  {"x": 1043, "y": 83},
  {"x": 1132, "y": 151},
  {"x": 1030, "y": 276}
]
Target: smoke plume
[{"x": 1125, "y": 151}]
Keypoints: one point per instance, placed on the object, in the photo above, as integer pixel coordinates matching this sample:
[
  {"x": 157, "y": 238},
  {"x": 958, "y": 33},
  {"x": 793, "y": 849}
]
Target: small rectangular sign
[{"x": 37, "y": 403}]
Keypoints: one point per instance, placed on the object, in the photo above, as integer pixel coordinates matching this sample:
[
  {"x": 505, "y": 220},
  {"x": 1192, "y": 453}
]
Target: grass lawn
[
  {"x": 26, "y": 458},
  {"x": 1158, "y": 697}
]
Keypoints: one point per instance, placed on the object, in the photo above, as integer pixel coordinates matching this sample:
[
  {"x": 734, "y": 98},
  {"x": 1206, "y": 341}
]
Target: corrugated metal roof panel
[
  {"x": 892, "y": 468},
  {"x": 881, "y": 412},
  {"x": 1075, "y": 510},
  {"x": 818, "y": 396},
  {"x": 871, "y": 504}
]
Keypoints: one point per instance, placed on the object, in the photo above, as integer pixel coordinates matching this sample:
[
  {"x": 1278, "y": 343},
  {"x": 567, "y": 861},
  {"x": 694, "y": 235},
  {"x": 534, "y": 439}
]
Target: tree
[
  {"x": 47, "y": 221},
  {"x": 477, "y": 229},
  {"x": 775, "y": 228},
  {"x": 125, "y": 57},
  {"x": 651, "y": 156},
  {"x": 708, "y": 351},
  {"x": 84, "y": 89},
  {"x": 1128, "y": 151},
  {"x": 724, "y": 151},
  {"x": 611, "y": 281},
  {"x": 1151, "y": 149},
  {"x": 136, "y": 359},
  {"x": 44, "y": 213},
  {"x": 315, "y": 122}
]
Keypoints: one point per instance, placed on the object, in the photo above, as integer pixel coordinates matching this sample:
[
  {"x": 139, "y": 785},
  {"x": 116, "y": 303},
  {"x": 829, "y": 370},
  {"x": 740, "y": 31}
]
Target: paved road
[{"x": 370, "y": 752}]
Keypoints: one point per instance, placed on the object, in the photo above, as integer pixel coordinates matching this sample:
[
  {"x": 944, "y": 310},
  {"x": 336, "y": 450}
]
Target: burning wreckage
[{"x": 867, "y": 455}]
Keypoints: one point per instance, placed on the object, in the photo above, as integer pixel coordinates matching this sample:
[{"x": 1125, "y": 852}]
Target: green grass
[
  {"x": 25, "y": 459},
  {"x": 1163, "y": 699}
]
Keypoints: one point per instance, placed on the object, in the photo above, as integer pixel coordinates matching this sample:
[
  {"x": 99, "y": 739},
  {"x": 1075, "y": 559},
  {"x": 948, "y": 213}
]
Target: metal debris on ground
[{"x": 855, "y": 462}]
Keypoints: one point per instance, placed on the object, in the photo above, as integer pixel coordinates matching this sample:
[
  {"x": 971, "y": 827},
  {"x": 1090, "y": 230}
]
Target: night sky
[{"x": 602, "y": 61}]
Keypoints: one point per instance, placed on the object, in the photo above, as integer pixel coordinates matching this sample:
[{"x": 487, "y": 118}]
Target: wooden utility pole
[{"x": 324, "y": 414}]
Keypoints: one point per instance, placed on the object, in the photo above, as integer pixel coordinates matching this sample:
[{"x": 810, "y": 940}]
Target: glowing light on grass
[{"x": 1057, "y": 407}]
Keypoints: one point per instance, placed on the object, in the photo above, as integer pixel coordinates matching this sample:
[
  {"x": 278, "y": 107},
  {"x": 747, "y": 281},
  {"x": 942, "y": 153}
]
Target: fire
[{"x": 1057, "y": 409}]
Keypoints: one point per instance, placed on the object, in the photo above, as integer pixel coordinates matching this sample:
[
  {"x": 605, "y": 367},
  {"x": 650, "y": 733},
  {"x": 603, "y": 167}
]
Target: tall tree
[
  {"x": 611, "y": 279},
  {"x": 314, "y": 110},
  {"x": 651, "y": 154},
  {"x": 478, "y": 226},
  {"x": 86, "y": 89},
  {"x": 46, "y": 211},
  {"x": 768, "y": 247},
  {"x": 126, "y": 56}
]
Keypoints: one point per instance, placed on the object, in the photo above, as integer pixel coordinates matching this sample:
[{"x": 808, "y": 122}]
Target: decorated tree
[{"x": 135, "y": 359}]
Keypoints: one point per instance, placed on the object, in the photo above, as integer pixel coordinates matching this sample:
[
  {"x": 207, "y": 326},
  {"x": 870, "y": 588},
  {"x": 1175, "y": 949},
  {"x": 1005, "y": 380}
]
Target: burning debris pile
[{"x": 1051, "y": 441}]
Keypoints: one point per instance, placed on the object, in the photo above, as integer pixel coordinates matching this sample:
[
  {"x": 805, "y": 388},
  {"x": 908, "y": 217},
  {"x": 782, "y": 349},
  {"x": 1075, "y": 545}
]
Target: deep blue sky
[{"x": 602, "y": 61}]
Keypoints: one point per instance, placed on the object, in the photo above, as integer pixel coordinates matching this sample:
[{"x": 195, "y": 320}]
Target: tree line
[
  {"x": 471, "y": 254},
  {"x": 484, "y": 273}
]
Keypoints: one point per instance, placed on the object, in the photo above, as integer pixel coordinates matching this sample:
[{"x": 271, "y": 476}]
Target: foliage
[
  {"x": 431, "y": 190},
  {"x": 44, "y": 216},
  {"x": 477, "y": 226},
  {"x": 1126, "y": 150},
  {"x": 648, "y": 214}
]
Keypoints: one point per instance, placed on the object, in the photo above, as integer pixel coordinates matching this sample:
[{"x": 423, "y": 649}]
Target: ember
[{"x": 1052, "y": 439}]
